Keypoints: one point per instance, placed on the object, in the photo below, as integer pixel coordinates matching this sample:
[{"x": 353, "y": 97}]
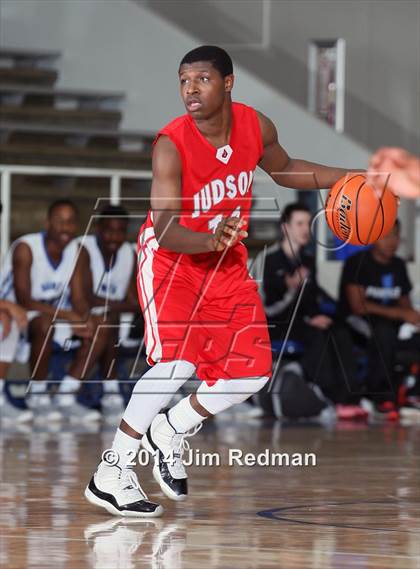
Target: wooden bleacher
[
  {"x": 28, "y": 76},
  {"x": 50, "y": 115},
  {"x": 73, "y": 156},
  {"x": 48, "y": 125},
  {"x": 14, "y": 57},
  {"x": 46, "y": 134},
  {"x": 32, "y": 94},
  {"x": 44, "y": 124}
]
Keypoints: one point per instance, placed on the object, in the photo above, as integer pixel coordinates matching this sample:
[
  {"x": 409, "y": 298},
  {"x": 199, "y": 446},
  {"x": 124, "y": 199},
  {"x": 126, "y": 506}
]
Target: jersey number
[{"x": 213, "y": 223}]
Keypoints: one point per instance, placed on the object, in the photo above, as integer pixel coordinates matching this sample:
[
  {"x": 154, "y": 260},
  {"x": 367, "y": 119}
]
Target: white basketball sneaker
[
  {"x": 167, "y": 446},
  {"x": 76, "y": 413},
  {"x": 118, "y": 491},
  {"x": 112, "y": 404},
  {"x": 11, "y": 413},
  {"x": 43, "y": 407}
]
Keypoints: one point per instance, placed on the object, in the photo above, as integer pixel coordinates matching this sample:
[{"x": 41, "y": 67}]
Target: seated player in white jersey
[
  {"x": 202, "y": 312},
  {"x": 108, "y": 263},
  {"x": 36, "y": 274},
  {"x": 13, "y": 320}
]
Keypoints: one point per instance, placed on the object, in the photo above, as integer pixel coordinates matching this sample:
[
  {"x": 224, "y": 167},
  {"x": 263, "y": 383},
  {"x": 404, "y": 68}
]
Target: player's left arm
[
  {"x": 81, "y": 285},
  {"x": 131, "y": 298},
  {"x": 292, "y": 172}
]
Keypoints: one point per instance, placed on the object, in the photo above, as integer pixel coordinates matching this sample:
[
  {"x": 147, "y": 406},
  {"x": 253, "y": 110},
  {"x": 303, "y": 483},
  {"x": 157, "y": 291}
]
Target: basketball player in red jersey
[{"x": 203, "y": 315}]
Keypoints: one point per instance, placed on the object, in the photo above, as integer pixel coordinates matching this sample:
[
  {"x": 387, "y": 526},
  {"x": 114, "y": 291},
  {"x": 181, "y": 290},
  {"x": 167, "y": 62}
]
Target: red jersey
[
  {"x": 205, "y": 308},
  {"x": 215, "y": 182}
]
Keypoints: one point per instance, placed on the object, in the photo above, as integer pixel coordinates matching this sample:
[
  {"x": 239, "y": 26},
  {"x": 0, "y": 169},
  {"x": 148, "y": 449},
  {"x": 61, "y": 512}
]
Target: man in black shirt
[
  {"x": 374, "y": 298},
  {"x": 292, "y": 298}
]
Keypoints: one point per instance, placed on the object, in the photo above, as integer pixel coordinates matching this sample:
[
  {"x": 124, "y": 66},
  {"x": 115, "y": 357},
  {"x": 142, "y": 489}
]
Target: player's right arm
[{"x": 166, "y": 205}]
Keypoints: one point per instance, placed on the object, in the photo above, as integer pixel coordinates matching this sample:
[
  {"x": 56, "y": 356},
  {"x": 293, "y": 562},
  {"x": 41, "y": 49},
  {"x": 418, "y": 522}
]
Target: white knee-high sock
[
  {"x": 154, "y": 391},
  {"x": 215, "y": 399},
  {"x": 183, "y": 417},
  {"x": 126, "y": 449},
  {"x": 226, "y": 393}
]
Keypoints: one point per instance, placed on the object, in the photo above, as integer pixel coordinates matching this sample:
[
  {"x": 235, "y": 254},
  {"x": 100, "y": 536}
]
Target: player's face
[
  {"x": 112, "y": 233},
  {"x": 203, "y": 89},
  {"x": 298, "y": 228},
  {"x": 388, "y": 245},
  {"x": 62, "y": 225}
]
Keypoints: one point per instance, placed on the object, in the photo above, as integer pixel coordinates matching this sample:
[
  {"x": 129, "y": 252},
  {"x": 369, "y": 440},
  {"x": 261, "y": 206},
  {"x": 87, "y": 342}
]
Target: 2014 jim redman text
[{"x": 231, "y": 457}]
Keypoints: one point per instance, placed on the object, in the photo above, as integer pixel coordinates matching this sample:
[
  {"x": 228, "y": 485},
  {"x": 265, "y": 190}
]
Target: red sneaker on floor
[
  {"x": 387, "y": 410},
  {"x": 351, "y": 413}
]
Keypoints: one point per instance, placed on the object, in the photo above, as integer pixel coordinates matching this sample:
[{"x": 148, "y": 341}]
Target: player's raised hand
[{"x": 228, "y": 233}]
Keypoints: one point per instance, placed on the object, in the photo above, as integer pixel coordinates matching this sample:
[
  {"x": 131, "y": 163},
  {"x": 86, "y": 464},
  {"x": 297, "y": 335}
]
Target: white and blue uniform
[
  {"x": 110, "y": 282},
  {"x": 49, "y": 281}
]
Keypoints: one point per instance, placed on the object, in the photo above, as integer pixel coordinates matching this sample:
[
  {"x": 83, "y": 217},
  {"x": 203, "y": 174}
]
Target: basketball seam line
[
  {"x": 335, "y": 200},
  {"x": 357, "y": 213}
]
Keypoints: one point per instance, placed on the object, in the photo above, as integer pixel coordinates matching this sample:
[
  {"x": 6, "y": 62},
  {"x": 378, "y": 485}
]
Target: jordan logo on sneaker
[{"x": 224, "y": 153}]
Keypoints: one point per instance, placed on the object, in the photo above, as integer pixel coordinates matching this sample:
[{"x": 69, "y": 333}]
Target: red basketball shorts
[{"x": 204, "y": 309}]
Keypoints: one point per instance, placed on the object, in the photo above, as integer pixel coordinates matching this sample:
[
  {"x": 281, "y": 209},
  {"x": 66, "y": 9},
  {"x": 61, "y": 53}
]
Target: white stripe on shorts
[{"x": 145, "y": 278}]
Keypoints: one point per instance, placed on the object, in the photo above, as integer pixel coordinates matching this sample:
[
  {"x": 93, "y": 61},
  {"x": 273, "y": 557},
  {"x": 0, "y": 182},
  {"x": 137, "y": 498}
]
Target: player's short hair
[
  {"x": 217, "y": 56},
  {"x": 290, "y": 209},
  {"x": 113, "y": 211},
  {"x": 60, "y": 203}
]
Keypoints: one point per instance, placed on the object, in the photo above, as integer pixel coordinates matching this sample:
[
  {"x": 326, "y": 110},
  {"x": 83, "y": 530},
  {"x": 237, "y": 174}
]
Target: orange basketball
[{"x": 356, "y": 214}]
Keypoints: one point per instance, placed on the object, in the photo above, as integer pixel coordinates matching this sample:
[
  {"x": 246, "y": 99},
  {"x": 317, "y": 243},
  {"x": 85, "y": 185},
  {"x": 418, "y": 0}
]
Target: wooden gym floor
[{"x": 357, "y": 508}]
